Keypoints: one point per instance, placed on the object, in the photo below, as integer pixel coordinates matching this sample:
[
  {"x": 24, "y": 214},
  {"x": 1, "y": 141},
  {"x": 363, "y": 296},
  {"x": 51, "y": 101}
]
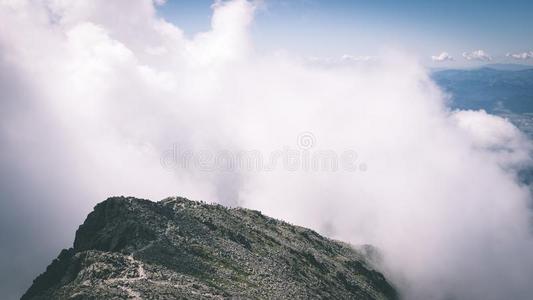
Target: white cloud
[
  {"x": 521, "y": 56},
  {"x": 477, "y": 55},
  {"x": 91, "y": 101},
  {"x": 506, "y": 143},
  {"x": 443, "y": 56},
  {"x": 344, "y": 59},
  {"x": 347, "y": 57}
]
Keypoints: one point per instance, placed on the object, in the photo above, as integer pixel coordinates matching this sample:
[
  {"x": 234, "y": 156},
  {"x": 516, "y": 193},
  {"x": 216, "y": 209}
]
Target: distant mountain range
[
  {"x": 492, "y": 88},
  {"x": 508, "y": 67},
  {"x": 129, "y": 248}
]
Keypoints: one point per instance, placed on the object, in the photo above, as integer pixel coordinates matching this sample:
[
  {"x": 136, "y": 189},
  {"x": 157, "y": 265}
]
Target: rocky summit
[{"x": 130, "y": 248}]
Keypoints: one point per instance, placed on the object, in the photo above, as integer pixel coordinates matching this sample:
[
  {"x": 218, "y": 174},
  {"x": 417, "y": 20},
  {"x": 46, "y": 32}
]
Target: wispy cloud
[
  {"x": 521, "y": 56},
  {"x": 347, "y": 57},
  {"x": 477, "y": 55},
  {"x": 443, "y": 56}
]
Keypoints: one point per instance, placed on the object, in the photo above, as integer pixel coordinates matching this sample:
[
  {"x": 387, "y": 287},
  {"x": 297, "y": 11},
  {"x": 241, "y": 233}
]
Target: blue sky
[{"x": 336, "y": 27}]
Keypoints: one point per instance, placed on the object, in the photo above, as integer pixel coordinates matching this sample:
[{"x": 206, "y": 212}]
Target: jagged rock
[{"x": 130, "y": 248}]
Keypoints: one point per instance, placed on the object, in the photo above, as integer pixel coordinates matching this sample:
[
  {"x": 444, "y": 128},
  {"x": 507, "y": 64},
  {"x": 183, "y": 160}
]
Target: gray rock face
[{"x": 130, "y": 248}]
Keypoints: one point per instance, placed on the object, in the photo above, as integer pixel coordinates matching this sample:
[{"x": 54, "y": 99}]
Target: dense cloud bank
[{"x": 105, "y": 98}]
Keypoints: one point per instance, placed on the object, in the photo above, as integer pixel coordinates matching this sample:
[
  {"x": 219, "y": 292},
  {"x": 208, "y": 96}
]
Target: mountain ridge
[{"x": 130, "y": 248}]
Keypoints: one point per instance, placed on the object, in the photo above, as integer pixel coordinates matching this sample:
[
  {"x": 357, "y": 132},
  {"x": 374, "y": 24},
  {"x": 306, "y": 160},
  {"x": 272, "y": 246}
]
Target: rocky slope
[{"x": 130, "y": 248}]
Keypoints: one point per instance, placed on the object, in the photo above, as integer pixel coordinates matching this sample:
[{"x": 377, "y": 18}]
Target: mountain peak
[{"x": 178, "y": 248}]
